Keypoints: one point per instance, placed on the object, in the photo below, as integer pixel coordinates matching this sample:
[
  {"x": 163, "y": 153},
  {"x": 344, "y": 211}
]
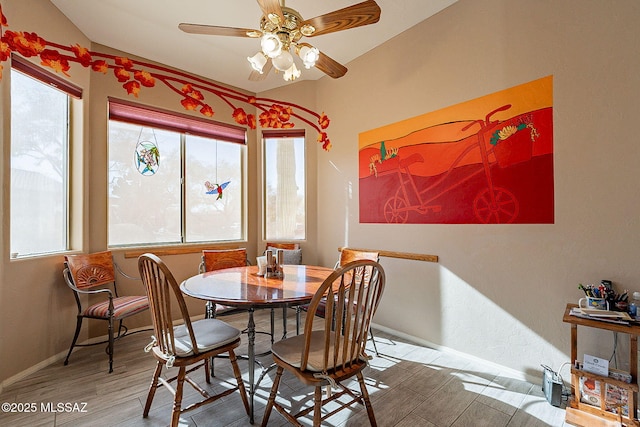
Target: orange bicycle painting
[{"x": 485, "y": 161}]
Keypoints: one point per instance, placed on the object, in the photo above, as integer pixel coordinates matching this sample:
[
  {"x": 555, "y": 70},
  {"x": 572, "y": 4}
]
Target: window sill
[{"x": 175, "y": 250}]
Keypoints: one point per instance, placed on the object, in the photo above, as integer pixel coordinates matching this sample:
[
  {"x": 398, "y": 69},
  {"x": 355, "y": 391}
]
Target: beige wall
[
  {"x": 499, "y": 291},
  {"x": 37, "y": 312}
]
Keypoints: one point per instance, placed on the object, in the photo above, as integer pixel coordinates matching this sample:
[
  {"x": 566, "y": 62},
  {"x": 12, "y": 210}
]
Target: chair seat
[
  {"x": 209, "y": 333},
  {"x": 289, "y": 349},
  {"x": 122, "y": 307}
]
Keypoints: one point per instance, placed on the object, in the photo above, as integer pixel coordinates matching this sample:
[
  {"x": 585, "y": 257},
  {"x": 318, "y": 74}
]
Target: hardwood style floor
[{"x": 410, "y": 386}]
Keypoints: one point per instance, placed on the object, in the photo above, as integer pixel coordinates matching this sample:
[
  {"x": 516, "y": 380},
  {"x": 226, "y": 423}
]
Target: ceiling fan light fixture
[
  {"x": 309, "y": 56},
  {"x": 274, "y": 18},
  {"x": 281, "y": 29},
  {"x": 307, "y": 30},
  {"x": 257, "y": 61},
  {"x": 271, "y": 45},
  {"x": 291, "y": 73},
  {"x": 283, "y": 62}
]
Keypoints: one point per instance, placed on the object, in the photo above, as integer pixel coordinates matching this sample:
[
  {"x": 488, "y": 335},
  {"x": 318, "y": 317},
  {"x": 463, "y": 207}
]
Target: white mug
[
  {"x": 594, "y": 303},
  {"x": 262, "y": 265}
]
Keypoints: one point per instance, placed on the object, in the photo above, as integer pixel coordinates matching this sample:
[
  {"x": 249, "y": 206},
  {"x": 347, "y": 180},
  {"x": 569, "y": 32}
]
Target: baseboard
[
  {"x": 32, "y": 370},
  {"x": 59, "y": 357},
  {"x": 510, "y": 372}
]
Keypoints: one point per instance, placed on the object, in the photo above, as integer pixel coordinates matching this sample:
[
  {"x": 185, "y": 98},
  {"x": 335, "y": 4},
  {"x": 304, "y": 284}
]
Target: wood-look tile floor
[{"x": 410, "y": 386}]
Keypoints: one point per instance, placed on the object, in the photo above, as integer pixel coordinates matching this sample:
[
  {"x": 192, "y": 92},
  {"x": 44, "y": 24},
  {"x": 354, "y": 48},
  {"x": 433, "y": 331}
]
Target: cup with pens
[
  {"x": 595, "y": 297},
  {"x": 603, "y": 297}
]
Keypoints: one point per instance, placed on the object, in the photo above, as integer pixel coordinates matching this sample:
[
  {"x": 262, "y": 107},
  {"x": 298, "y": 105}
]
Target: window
[
  {"x": 40, "y": 116},
  {"x": 173, "y": 178},
  {"x": 284, "y": 185}
]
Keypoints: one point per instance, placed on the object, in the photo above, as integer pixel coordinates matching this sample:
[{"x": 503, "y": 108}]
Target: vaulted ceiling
[{"x": 149, "y": 28}]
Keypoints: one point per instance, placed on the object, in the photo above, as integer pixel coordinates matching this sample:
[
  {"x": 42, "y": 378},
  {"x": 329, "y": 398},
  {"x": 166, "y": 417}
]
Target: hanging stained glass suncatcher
[
  {"x": 147, "y": 155},
  {"x": 216, "y": 188}
]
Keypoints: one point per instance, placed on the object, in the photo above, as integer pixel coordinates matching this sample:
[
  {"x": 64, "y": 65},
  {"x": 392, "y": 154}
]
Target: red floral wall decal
[{"x": 137, "y": 75}]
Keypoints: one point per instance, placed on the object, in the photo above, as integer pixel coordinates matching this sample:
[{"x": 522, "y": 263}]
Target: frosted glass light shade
[
  {"x": 283, "y": 61},
  {"x": 309, "y": 56},
  {"x": 257, "y": 61},
  {"x": 292, "y": 73},
  {"x": 271, "y": 45}
]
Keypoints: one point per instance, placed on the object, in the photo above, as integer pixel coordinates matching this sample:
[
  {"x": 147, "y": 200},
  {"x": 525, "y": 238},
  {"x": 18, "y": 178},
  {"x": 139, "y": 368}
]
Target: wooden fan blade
[
  {"x": 257, "y": 77},
  {"x": 213, "y": 30},
  {"x": 271, "y": 7},
  {"x": 330, "y": 67},
  {"x": 365, "y": 13}
]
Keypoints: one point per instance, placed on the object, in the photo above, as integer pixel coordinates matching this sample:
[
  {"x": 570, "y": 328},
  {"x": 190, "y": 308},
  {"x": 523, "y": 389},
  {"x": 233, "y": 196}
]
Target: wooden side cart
[{"x": 587, "y": 415}]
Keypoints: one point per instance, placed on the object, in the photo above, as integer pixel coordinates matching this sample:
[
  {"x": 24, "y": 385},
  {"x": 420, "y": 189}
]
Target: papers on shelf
[
  {"x": 602, "y": 315},
  {"x": 596, "y": 365},
  {"x": 615, "y": 396}
]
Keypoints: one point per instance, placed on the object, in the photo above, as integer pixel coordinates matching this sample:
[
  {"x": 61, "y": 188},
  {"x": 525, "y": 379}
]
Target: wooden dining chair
[
  {"x": 217, "y": 259},
  {"x": 334, "y": 353},
  {"x": 283, "y": 245},
  {"x": 94, "y": 275},
  {"x": 346, "y": 256},
  {"x": 292, "y": 255},
  {"x": 189, "y": 343},
  {"x": 292, "y": 251}
]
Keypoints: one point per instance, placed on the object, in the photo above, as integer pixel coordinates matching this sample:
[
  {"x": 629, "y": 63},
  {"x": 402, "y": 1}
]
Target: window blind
[
  {"x": 32, "y": 70},
  {"x": 150, "y": 116}
]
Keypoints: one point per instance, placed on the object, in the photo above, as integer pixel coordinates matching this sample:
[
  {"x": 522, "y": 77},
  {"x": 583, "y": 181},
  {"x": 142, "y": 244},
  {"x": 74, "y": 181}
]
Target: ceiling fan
[{"x": 281, "y": 31}]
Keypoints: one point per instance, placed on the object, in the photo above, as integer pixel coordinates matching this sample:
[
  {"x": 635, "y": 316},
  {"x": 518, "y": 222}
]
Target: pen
[{"x": 583, "y": 289}]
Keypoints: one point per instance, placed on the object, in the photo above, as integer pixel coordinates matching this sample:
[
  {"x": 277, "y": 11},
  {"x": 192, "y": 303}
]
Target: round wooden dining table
[{"x": 242, "y": 287}]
